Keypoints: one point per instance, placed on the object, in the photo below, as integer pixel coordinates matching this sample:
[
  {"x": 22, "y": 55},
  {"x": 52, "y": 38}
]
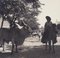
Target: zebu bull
[{"x": 17, "y": 36}]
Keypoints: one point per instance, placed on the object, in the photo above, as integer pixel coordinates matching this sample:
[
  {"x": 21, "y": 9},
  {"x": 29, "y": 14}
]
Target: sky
[
  {"x": 5, "y": 24},
  {"x": 52, "y": 9}
]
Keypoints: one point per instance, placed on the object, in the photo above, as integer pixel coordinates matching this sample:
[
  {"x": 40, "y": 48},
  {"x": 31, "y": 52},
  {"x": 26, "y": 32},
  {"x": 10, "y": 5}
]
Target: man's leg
[{"x": 49, "y": 46}]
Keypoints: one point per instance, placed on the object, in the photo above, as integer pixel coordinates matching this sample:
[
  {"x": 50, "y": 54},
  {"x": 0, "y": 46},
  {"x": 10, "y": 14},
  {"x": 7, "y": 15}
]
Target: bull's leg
[
  {"x": 16, "y": 48},
  {"x": 46, "y": 46},
  {"x": 12, "y": 48},
  {"x": 49, "y": 46},
  {"x": 3, "y": 45}
]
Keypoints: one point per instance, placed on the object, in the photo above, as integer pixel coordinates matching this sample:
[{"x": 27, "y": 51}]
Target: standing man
[
  {"x": 47, "y": 35},
  {"x": 50, "y": 34}
]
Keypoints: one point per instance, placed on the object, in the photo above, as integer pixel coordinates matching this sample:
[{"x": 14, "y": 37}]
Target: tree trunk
[
  {"x": 2, "y": 23},
  {"x": 1, "y": 33}
]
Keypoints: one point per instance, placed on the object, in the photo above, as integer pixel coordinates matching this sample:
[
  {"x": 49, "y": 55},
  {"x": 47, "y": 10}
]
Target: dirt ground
[{"x": 34, "y": 49}]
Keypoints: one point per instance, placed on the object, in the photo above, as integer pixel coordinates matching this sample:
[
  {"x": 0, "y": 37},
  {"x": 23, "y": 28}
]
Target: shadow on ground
[{"x": 33, "y": 52}]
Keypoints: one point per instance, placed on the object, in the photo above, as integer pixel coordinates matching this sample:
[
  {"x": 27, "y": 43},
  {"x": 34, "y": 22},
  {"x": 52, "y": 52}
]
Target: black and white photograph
[{"x": 29, "y": 28}]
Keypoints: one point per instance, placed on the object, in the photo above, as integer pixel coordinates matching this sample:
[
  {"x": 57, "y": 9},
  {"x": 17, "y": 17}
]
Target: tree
[
  {"x": 12, "y": 10},
  {"x": 8, "y": 7},
  {"x": 15, "y": 10},
  {"x": 31, "y": 13}
]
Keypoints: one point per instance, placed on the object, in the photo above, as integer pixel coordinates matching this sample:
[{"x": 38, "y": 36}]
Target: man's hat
[{"x": 48, "y": 18}]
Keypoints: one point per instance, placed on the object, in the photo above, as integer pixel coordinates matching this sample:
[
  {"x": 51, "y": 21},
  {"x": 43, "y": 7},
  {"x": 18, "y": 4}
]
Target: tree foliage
[{"x": 14, "y": 10}]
